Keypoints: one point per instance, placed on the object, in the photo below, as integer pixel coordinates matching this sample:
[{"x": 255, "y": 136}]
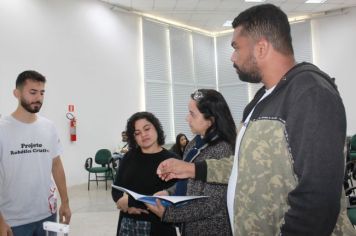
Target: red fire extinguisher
[
  {"x": 73, "y": 129},
  {"x": 73, "y": 123}
]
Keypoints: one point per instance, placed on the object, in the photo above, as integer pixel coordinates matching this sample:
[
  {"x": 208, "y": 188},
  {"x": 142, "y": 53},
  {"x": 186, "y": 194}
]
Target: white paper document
[{"x": 165, "y": 200}]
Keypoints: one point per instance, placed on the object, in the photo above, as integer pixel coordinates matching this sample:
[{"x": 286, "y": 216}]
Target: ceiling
[{"x": 210, "y": 15}]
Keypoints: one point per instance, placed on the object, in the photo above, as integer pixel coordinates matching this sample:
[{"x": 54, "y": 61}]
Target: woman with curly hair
[{"x": 137, "y": 172}]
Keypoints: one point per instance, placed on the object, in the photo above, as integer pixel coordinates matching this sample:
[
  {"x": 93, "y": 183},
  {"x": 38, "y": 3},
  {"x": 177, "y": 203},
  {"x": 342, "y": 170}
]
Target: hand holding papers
[{"x": 165, "y": 200}]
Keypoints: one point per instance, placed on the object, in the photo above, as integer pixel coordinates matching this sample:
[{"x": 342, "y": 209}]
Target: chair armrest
[{"x": 88, "y": 163}]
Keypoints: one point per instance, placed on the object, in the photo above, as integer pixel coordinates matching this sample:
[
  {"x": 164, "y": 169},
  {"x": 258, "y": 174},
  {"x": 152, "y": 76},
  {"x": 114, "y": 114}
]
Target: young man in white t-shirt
[{"x": 29, "y": 155}]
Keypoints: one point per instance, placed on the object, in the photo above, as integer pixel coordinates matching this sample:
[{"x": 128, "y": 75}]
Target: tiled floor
[{"x": 93, "y": 212}]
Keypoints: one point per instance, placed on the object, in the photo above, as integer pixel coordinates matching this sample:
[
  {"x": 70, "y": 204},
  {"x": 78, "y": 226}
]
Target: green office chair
[
  {"x": 350, "y": 190},
  {"x": 351, "y": 213},
  {"x": 352, "y": 152},
  {"x": 351, "y": 205},
  {"x": 102, "y": 173}
]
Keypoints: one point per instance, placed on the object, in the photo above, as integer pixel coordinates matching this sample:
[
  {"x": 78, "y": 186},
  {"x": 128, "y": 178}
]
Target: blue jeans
[{"x": 34, "y": 228}]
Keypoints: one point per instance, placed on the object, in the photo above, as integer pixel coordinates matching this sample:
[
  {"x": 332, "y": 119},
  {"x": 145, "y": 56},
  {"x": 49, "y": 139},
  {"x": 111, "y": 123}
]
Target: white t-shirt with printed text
[{"x": 26, "y": 155}]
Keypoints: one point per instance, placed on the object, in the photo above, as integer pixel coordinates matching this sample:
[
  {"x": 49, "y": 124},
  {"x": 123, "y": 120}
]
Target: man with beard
[
  {"x": 30, "y": 152},
  {"x": 287, "y": 174}
]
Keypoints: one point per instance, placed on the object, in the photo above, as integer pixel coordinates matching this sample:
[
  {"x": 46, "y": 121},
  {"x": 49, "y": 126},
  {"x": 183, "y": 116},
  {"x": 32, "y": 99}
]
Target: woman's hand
[
  {"x": 158, "y": 209},
  {"x": 161, "y": 193},
  {"x": 123, "y": 205},
  {"x": 136, "y": 211}
]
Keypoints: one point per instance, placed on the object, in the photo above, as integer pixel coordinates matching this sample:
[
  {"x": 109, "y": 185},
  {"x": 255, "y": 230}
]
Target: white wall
[
  {"x": 91, "y": 58},
  {"x": 334, "y": 46}
]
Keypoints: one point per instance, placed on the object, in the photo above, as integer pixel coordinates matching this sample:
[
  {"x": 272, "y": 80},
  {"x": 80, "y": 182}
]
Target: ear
[
  {"x": 16, "y": 93},
  {"x": 261, "y": 48}
]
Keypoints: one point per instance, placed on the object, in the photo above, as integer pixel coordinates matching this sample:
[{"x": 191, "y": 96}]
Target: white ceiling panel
[
  {"x": 210, "y": 15},
  {"x": 290, "y": 7},
  {"x": 142, "y": 5},
  {"x": 121, "y": 2},
  {"x": 207, "y": 5},
  {"x": 165, "y": 5},
  {"x": 181, "y": 16},
  {"x": 185, "y": 4},
  {"x": 307, "y": 8}
]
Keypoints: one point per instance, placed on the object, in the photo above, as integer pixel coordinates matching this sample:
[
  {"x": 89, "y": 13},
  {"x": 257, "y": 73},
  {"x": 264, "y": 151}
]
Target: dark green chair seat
[
  {"x": 351, "y": 204},
  {"x": 98, "y": 169},
  {"x": 350, "y": 190},
  {"x": 352, "y": 152},
  {"x": 104, "y": 172},
  {"x": 351, "y": 213}
]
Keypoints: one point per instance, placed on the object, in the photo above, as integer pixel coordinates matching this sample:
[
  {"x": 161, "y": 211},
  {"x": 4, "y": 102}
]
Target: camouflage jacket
[{"x": 291, "y": 162}]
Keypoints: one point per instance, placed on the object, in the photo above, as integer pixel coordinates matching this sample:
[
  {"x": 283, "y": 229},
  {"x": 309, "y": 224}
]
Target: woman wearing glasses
[
  {"x": 137, "y": 172},
  {"x": 211, "y": 121}
]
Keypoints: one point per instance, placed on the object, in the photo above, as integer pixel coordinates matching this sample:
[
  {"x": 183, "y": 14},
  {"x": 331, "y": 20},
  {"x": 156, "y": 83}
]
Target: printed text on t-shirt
[{"x": 29, "y": 148}]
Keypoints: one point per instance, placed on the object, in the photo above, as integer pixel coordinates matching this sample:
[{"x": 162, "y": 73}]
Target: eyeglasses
[{"x": 197, "y": 95}]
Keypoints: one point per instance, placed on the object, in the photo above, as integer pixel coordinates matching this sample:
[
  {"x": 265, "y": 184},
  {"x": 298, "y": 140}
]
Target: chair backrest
[
  {"x": 102, "y": 157},
  {"x": 353, "y": 143}
]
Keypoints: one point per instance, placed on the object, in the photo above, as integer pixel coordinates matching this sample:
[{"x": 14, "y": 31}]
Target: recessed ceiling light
[
  {"x": 315, "y": 1},
  {"x": 228, "y": 23},
  {"x": 255, "y": 0}
]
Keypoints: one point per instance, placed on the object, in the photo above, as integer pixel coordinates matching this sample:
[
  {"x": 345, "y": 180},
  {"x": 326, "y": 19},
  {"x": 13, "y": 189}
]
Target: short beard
[
  {"x": 27, "y": 106},
  {"x": 253, "y": 77}
]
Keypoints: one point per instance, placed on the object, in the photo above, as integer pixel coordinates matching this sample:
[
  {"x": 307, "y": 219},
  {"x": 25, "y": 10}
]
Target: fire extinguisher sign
[
  {"x": 72, "y": 123},
  {"x": 70, "y": 108}
]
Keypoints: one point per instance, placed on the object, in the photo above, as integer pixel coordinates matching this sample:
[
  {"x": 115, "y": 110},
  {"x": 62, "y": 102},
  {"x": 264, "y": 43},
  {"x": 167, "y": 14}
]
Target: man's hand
[
  {"x": 5, "y": 229},
  {"x": 158, "y": 209},
  {"x": 60, "y": 180},
  {"x": 175, "y": 169},
  {"x": 64, "y": 213}
]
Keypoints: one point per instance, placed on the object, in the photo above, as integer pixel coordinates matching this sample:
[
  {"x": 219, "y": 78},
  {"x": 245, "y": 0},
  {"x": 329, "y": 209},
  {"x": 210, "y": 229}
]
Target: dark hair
[
  {"x": 29, "y": 75},
  {"x": 267, "y": 21},
  {"x": 177, "y": 148},
  {"x": 130, "y": 128},
  {"x": 214, "y": 107},
  {"x": 178, "y": 140}
]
